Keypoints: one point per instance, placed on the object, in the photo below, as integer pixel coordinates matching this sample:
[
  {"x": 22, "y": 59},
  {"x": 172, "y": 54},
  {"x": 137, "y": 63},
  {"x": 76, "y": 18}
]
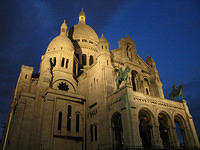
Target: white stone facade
[{"x": 73, "y": 101}]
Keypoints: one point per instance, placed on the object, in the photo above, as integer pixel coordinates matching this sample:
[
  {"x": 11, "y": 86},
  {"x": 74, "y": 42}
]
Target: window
[
  {"x": 84, "y": 40},
  {"x": 84, "y": 59},
  {"x": 95, "y": 131},
  {"x": 74, "y": 68},
  {"x": 102, "y": 47},
  {"x": 91, "y": 60},
  {"x": 69, "y": 114},
  {"x": 59, "y": 120},
  {"x": 77, "y": 122},
  {"x": 134, "y": 74},
  {"x": 90, "y": 42},
  {"x": 91, "y": 132},
  {"x": 147, "y": 91},
  {"x": 26, "y": 76},
  {"x": 54, "y": 61},
  {"x": 63, "y": 61},
  {"x": 67, "y": 61}
]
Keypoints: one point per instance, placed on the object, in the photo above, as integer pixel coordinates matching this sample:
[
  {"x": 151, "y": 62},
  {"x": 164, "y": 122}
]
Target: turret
[
  {"x": 63, "y": 29},
  {"x": 104, "y": 53},
  {"x": 103, "y": 44}
]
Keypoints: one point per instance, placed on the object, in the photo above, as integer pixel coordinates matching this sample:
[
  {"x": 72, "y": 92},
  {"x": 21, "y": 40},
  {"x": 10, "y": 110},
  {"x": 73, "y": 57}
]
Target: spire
[
  {"x": 63, "y": 28},
  {"x": 82, "y": 16}
]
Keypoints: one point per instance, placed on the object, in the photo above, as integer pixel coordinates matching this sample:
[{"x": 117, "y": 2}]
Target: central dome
[{"x": 83, "y": 31}]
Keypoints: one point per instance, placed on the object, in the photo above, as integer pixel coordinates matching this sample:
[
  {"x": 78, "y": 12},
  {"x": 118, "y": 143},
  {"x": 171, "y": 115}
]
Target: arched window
[
  {"x": 181, "y": 131},
  {"x": 134, "y": 73},
  {"x": 147, "y": 91},
  {"x": 84, "y": 62},
  {"x": 164, "y": 129},
  {"x": 54, "y": 61},
  {"x": 67, "y": 61},
  {"x": 63, "y": 61},
  {"x": 117, "y": 129},
  {"x": 69, "y": 115},
  {"x": 77, "y": 122},
  {"x": 59, "y": 120},
  {"x": 95, "y": 131},
  {"x": 74, "y": 67},
  {"x": 91, "y": 60},
  {"x": 91, "y": 133},
  {"x": 145, "y": 128},
  {"x": 146, "y": 86}
]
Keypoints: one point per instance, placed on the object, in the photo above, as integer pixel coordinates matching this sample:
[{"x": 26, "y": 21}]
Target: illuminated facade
[{"x": 73, "y": 102}]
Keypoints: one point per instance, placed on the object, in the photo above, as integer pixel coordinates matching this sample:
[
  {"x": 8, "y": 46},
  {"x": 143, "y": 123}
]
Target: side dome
[{"x": 61, "y": 42}]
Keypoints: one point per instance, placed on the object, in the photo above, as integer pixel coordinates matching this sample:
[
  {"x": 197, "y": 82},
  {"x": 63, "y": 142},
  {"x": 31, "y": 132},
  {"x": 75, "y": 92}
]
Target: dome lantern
[
  {"x": 82, "y": 17},
  {"x": 63, "y": 28}
]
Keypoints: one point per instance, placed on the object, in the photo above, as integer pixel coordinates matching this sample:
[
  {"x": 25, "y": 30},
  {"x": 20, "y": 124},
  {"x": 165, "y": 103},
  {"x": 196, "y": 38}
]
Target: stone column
[
  {"x": 156, "y": 139},
  {"x": 173, "y": 137},
  {"x": 137, "y": 142}
]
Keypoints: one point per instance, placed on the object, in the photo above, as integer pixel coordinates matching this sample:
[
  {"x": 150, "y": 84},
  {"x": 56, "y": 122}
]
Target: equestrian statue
[
  {"x": 122, "y": 76},
  {"x": 176, "y": 92}
]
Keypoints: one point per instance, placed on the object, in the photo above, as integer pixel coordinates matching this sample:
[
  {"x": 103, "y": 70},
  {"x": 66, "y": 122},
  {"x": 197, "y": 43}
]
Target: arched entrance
[
  {"x": 145, "y": 128},
  {"x": 164, "y": 129},
  {"x": 180, "y": 130},
  {"x": 118, "y": 138}
]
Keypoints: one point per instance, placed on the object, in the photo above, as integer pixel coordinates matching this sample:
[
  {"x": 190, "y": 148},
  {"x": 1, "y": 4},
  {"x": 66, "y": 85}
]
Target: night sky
[{"x": 167, "y": 30}]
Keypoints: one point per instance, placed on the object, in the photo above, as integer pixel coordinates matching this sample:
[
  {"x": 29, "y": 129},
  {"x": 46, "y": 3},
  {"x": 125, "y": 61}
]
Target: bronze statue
[
  {"x": 176, "y": 92},
  {"x": 122, "y": 76}
]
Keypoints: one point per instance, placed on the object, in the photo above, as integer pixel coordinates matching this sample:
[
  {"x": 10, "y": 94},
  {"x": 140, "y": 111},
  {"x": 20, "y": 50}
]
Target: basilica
[{"x": 86, "y": 96}]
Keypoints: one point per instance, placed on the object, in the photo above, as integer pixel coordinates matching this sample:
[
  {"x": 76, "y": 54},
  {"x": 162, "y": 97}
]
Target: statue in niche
[
  {"x": 63, "y": 86},
  {"x": 176, "y": 92},
  {"x": 122, "y": 76}
]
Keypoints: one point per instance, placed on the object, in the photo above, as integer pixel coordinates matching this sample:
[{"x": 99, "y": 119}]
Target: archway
[
  {"x": 180, "y": 130},
  {"x": 145, "y": 128},
  {"x": 164, "y": 129},
  {"x": 118, "y": 138}
]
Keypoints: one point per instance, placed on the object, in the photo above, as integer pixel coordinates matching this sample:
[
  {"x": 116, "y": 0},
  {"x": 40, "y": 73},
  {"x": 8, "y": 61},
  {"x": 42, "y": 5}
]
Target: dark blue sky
[{"x": 167, "y": 30}]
